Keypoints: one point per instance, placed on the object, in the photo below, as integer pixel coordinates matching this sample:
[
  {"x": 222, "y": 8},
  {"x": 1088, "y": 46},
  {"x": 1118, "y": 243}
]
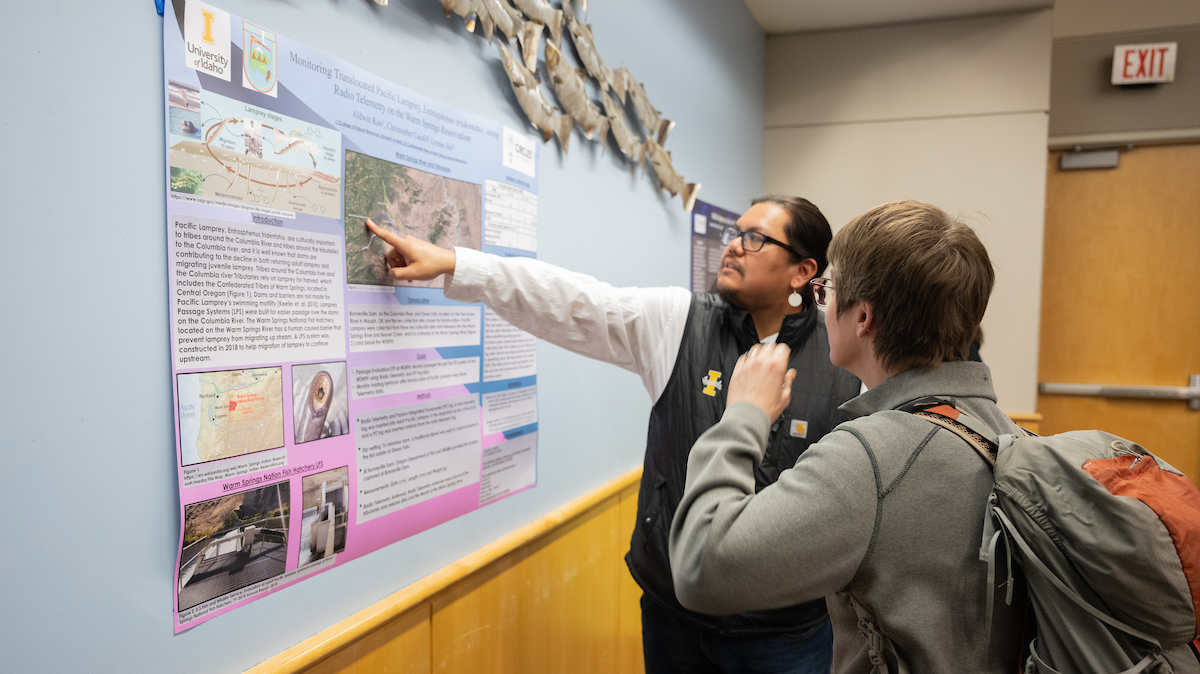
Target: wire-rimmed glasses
[{"x": 822, "y": 291}]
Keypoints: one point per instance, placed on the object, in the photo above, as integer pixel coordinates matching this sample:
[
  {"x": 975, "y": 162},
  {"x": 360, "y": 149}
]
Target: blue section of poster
[{"x": 708, "y": 221}]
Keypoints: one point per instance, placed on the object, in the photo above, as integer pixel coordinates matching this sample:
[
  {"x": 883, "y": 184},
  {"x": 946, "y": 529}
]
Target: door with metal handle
[
  {"x": 1190, "y": 393},
  {"x": 1118, "y": 306}
]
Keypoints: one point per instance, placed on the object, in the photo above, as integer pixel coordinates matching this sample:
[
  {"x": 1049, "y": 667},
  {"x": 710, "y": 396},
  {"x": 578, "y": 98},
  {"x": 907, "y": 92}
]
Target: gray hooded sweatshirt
[{"x": 888, "y": 507}]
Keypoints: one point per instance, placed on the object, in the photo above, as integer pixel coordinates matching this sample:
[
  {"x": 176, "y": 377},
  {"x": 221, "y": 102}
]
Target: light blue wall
[{"x": 90, "y": 509}]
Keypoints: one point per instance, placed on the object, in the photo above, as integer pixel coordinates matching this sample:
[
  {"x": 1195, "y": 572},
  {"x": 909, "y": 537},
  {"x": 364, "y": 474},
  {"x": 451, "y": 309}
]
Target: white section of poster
[
  {"x": 508, "y": 352},
  {"x": 229, "y": 469},
  {"x": 508, "y": 466},
  {"x": 411, "y": 454},
  {"x": 381, "y": 327},
  {"x": 206, "y": 40},
  {"x": 254, "y": 294},
  {"x": 505, "y": 410},
  {"x": 510, "y": 216},
  {"x": 520, "y": 152},
  {"x": 383, "y": 380}
]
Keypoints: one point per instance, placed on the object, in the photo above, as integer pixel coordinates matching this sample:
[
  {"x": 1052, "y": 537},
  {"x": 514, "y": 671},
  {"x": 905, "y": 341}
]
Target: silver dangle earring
[{"x": 795, "y": 299}]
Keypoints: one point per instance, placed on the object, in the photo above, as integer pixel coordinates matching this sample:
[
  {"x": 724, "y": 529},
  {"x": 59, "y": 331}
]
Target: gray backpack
[{"x": 1108, "y": 538}]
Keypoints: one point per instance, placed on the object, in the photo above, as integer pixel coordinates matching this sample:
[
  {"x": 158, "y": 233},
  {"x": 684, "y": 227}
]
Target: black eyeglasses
[
  {"x": 752, "y": 242},
  {"x": 822, "y": 291}
]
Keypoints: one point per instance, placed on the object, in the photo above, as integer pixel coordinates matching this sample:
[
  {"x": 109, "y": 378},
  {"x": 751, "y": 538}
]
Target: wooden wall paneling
[
  {"x": 548, "y": 607},
  {"x": 396, "y": 634},
  {"x": 1030, "y": 421},
  {"x": 1119, "y": 302},
  {"x": 401, "y": 646},
  {"x": 629, "y": 630}
]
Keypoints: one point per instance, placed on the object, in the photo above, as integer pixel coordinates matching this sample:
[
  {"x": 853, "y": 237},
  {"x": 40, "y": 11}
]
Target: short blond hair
[{"x": 926, "y": 274}]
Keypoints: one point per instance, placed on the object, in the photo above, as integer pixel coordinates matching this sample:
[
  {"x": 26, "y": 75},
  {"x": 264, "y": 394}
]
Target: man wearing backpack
[{"x": 884, "y": 516}]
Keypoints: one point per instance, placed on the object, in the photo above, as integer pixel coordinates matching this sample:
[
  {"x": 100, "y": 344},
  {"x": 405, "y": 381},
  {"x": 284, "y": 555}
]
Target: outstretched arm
[{"x": 638, "y": 329}]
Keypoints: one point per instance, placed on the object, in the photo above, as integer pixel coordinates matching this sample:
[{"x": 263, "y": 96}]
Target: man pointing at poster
[{"x": 684, "y": 347}]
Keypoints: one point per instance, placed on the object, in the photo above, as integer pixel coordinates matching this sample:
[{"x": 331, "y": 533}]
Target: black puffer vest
[{"x": 694, "y": 399}]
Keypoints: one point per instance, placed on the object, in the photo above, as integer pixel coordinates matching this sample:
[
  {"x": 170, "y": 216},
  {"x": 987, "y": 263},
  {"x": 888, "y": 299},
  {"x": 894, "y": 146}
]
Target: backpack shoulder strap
[
  {"x": 944, "y": 413},
  {"x": 877, "y": 643}
]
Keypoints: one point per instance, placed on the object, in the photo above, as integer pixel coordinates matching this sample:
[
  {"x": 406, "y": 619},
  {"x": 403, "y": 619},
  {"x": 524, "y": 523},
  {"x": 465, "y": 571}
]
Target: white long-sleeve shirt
[{"x": 638, "y": 329}]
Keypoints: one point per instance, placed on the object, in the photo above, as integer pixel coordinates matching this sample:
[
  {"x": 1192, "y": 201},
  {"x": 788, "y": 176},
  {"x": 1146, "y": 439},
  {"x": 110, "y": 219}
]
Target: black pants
[{"x": 672, "y": 644}]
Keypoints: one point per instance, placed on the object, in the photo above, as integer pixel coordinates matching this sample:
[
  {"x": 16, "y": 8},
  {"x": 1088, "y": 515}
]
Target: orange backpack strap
[{"x": 942, "y": 411}]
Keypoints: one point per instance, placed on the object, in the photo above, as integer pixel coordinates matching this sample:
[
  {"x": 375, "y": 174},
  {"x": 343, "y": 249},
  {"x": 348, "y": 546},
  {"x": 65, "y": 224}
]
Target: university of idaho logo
[{"x": 712, "y": 382}]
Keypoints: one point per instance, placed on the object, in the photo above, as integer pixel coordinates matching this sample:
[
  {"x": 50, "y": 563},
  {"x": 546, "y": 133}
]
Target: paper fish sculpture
[
  {"x": 541, "y": 12},
  {"x": 507, "y": 19},
  {"x": 570, "y": 86},
  {"x": 668, "y": 179},
  {"x": 531, "y": 37},
  {"x": 469, "y": 10},
  {"x": 581, "y": 35},
  {"x": 631, "y": 146},
  {"x": 542, "y": 115},
  {"x": 652, "y": 119}
]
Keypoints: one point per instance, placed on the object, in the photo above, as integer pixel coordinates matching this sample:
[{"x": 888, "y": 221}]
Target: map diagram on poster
[
  {"x": 230, "y": 413},
  {"x": 404, "y": 200}
]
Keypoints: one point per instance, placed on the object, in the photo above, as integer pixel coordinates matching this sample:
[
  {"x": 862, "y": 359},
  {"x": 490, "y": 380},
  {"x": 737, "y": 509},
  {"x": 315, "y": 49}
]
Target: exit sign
[{"x": 1144, "y": 63}]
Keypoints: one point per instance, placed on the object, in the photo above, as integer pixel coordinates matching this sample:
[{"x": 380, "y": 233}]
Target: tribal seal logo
[
  {"x": 260, "y": 67},
  {"x": 712, "y": 382}
]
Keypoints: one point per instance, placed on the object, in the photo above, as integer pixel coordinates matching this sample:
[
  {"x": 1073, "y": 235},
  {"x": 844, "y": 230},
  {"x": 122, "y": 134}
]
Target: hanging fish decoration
[
  {"x": 652, "y": 119},
  {"x": 629, "y": 143},
  {"x": 542, "y": 115},
  {"x": 569, "y": 84},
  {"x": 623, "y": 80},
  {"x": 585, "y": 45},
  {"x": 541, "y": 12},
  {"x": 668, "y": 179},
  {"x": 507, "y": 19},
  {"x": 469, "y": 10},
  {"x": 531, "y": 37}
]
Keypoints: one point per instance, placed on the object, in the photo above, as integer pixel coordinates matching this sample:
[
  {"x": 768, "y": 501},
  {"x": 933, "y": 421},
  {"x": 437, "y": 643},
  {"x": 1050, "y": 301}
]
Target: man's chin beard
[{"x": 731, "y": 297}]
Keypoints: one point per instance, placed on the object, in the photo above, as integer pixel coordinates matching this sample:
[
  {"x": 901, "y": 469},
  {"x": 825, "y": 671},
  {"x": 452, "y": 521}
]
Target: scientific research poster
[
  {"x": 324, "y": 410},
  {"x": 708, "y": 222}
]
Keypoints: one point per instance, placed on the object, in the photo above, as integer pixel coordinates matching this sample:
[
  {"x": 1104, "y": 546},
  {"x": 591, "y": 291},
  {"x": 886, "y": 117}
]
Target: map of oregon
[
  {"x": 405, "y": 200},
  {"x": 230, "y": 413}
]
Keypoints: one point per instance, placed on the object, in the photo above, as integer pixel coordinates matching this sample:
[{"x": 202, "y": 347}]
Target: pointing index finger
[{"x": 387, "y": 236}]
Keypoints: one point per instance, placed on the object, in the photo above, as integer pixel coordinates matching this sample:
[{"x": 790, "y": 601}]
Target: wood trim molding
[
  {"x": 1025, "y": 417},
  {"x": 336, "y": 637}
]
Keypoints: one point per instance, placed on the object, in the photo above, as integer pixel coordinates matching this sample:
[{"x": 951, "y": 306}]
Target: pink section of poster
[{"x": 321, "y": 411}]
